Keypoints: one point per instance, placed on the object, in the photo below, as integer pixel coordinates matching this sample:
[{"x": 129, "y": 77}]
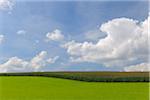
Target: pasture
[{"x": 46, "y": 88}]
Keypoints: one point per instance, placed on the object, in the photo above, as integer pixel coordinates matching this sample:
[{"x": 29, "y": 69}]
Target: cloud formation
[
  {"x": 15, "y": 64},
  {"x": 39, "y": 60},
  {"x": 1, "y": 38},
  {"x": 56, "y": 35},
  {"x": 21, "y": 32},
  {"x": 126, "y": 43},
  {"x": 94, "y": 35},
  {"x": 6, "y": 4},
  {"x": 139, "y": 67},
  {"x": 52, "y": 60}
]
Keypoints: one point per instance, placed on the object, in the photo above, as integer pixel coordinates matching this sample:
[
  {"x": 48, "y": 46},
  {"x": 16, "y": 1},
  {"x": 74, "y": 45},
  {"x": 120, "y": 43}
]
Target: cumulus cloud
[
  {"x": 39, "y": 60},
  {"x": 56, "y": 35},
  {"x": 6, "y": 4},
  {"x": 94, "y": 35},
  {"x": 126, "y": 43},
  {"x": 52, "y": 60},
  {"x": 1, "y": 38},
  {"x": 15, "y": 64},
  {"x": 21, "y": 32},
  {"x": 139, "y": 67}
]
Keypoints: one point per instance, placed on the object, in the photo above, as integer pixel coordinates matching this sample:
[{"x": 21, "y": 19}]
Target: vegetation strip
[{"x": 90, "y": 76}]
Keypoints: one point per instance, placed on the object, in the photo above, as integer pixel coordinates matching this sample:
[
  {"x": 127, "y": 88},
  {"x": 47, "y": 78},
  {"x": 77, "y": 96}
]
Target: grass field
[{"x": 45, "y": 88}]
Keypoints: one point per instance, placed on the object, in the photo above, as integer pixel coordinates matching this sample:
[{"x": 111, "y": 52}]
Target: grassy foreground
[{"x": 45, "y": 88}]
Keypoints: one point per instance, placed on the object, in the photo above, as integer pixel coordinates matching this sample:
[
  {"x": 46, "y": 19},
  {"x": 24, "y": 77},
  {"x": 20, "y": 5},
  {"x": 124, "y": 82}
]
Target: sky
[{"x": 74, "y": 35}]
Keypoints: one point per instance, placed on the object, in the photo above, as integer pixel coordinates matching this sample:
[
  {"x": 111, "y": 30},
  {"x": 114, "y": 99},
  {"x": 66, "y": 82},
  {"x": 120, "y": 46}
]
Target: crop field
[{"x": 47, "y": 88}]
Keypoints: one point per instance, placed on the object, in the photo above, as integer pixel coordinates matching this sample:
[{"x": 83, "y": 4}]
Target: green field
[{"x": 46, "y": 88}]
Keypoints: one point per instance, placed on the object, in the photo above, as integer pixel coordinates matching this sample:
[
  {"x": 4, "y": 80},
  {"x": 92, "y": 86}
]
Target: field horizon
[{"x": 93, "y": 76}]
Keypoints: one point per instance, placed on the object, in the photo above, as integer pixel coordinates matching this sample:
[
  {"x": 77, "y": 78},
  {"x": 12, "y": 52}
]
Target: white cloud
[
  {"x": 39, "y": 60},
  {"x": 15, "y": 64},
  {"x": 21, "y": 32},
  {"x": 6, "y": 4},
  {"x": 2, "y": 38},
  {"x": 52, "y": 60},
  {"x": 126, "y": 42},
  {"x": 139, "y": 67},
  {"x": 94, "y": 35},
  {"x": 56, "y": 35}
]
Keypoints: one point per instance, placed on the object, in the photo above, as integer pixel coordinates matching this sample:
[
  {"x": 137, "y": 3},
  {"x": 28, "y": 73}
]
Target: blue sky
[{"x": 74, "y": 19}]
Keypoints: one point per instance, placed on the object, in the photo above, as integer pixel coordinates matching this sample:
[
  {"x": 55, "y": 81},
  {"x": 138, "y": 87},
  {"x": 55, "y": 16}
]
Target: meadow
[{"x": 47, "y": 88}]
